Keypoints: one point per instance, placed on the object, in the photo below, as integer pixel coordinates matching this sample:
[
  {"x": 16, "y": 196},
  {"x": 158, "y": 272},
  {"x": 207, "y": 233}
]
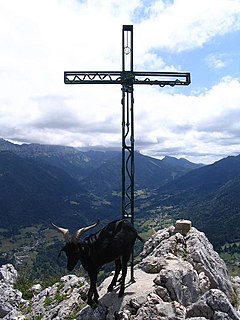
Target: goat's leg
[
  {"x": 92, "y": 290},
  {"x": 118, "y": 266},
  {"x": 124, "y": 273}
]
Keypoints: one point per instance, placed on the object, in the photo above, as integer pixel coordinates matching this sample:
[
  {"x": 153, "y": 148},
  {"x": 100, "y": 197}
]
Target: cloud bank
[{"x": 39, "y": 40}]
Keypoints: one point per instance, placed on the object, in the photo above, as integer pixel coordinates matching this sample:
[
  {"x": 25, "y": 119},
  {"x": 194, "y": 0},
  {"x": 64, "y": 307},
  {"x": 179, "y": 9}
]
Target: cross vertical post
[
  {"x": 127, "y": 78},
  {"x": 128, "y": 130},
  {"x": 127, "y": 124}
]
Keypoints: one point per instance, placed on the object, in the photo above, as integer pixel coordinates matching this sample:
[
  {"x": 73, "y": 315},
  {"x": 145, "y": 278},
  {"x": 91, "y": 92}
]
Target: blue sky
[{"x": 41, "y": 39}]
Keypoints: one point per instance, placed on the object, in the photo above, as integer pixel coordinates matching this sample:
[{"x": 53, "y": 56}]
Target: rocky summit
[{"x": 180, "y": 276}]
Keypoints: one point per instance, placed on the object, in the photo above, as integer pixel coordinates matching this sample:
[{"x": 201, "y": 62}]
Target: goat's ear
[
  {"x": 85, "y": 229},
  {"x": 64, "y": 232}
]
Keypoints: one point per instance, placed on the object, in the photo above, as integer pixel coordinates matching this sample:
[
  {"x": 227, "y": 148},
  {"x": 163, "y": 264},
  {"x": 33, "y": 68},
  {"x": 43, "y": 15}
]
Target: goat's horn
[
  {"x": 63, "y": 231},
  {"x": 83, "y": 230}
]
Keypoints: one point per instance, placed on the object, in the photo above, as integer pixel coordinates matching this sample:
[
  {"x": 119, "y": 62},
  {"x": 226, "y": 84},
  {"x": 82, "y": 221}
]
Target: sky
[{"x": 40, "y": 39}]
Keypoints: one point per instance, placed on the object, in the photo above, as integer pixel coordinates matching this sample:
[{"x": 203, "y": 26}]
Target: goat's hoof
[
  {"x": 121, "y": 293},
  {"x": 92, "y": 304}
]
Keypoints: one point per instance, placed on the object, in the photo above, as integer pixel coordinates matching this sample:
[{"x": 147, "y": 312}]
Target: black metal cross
[{"x": 127, "y": 78}]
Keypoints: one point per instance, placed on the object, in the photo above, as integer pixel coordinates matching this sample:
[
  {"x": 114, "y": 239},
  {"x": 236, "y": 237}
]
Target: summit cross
[{"x": 127, "y": 78}]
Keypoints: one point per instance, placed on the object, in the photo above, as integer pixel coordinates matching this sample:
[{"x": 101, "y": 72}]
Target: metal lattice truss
[{"x": 127, "y": 77}]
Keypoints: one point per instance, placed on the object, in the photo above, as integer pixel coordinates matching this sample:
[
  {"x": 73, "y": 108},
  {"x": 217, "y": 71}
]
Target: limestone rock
[
  {"x": 180, "y": 277},
  {"x": 61, "y": 300},
  {"x": 189, "y": 281},
  {"x": 183, "y": 226},
  {"x": 201, "y": 255},
  {"x": 213, "y": 304},
  {"x": 136, "y": 295},
  {"x": 36, "y": 288},
  {"x": 8, "y": 273},
  {"x": 10, "y": 298}
]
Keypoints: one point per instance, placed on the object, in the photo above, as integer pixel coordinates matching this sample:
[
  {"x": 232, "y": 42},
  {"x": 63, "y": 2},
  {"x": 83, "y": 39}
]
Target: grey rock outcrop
[
  {"x": 180, "y": 277},
  {"x": 8, "y": 274},
  {"x": 186, "y": 280},
  {"x": 10, "y": 298},
  {"x": 60, "y": 301}
]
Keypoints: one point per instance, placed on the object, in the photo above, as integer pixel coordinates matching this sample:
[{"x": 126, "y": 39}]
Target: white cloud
[
  {"x": 41, "y": 39},
  {"x": 188, "y": 24},
  {"x": 203, "y": 125},
  {"x": 216, "y": 61}
]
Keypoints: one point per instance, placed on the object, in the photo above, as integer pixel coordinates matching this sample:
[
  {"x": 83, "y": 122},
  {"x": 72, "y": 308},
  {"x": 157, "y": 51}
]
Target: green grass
[
  {"x": 230, "y": 253},
  {"x": 60, "y": 297},
  {"x": 48, "y": 301},
  {"x": 24, "y": 284},
  {"x": 74, "y": 315}
]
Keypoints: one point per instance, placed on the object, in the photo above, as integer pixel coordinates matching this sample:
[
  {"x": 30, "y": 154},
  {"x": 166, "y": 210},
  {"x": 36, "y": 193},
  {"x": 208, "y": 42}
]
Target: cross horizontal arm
[
  {"x": 162, "y": 78},
  {"x": 92, "y": 77},
  {"x": 127, "y": 77}
]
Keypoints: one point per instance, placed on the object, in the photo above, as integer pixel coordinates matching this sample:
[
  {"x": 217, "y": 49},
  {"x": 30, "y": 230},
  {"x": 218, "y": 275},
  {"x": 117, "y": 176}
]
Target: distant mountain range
[
  {"x": 209, "y": 196},
  {"x": 40, "y": 183},
  {"x": 43, "y": 182},
  {"x": 76, "y": 163},
  {"x": 150, "y": 174}
]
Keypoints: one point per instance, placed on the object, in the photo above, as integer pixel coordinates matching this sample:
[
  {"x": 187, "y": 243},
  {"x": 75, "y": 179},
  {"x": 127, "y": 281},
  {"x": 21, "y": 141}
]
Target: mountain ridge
[
  {"x": 208, "y": 194},
  {"x": 209, "y": 197},
  {"x": 63, "y": 181}
]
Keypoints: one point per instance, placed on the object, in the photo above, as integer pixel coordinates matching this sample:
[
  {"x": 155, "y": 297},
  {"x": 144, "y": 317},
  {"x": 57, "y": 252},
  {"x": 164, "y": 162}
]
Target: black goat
[{"x": 113, "y": 243}]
